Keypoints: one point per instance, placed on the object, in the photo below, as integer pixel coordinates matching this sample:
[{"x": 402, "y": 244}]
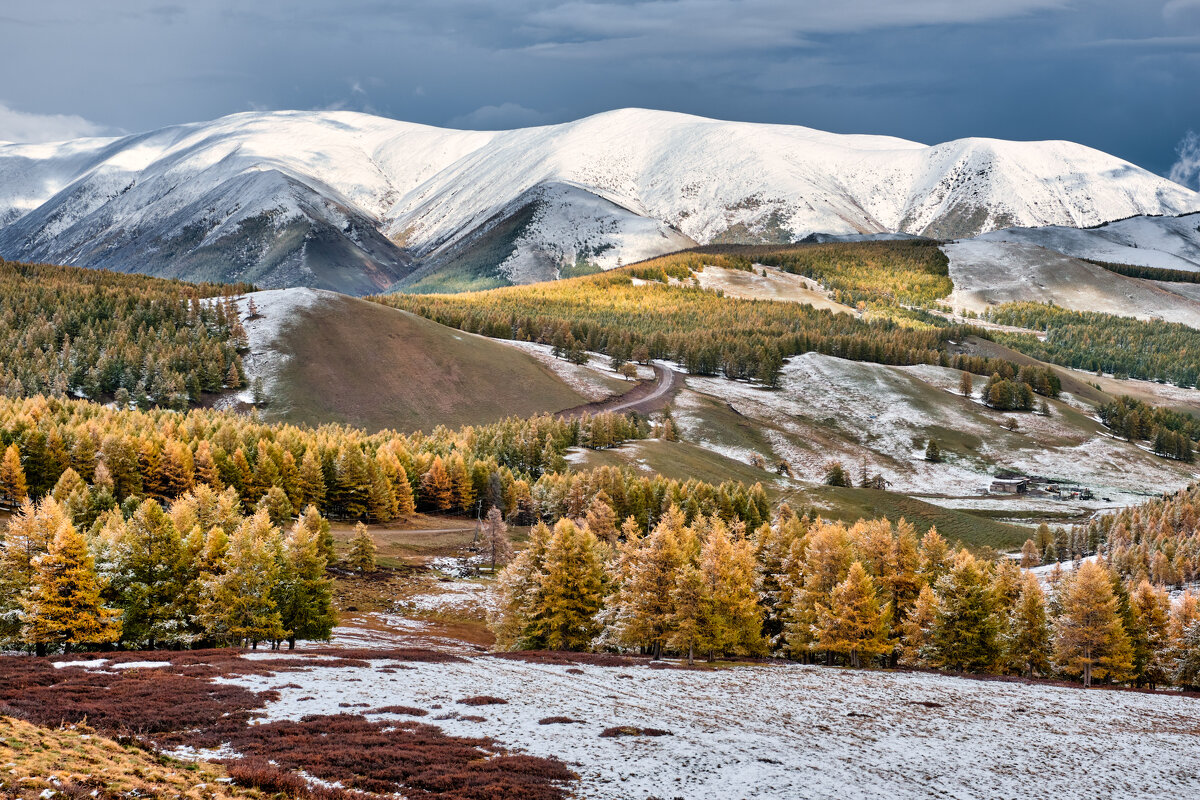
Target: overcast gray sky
[{"x": 1120, "y": 75}]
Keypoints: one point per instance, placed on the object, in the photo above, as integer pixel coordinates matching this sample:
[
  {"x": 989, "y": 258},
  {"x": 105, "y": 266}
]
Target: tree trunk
[
  {"x": 657, "y": 650},
  {"x": 691, "y": 653},
  {"x": 291, "y": 643},
  {"x": 39, "y": 649}
]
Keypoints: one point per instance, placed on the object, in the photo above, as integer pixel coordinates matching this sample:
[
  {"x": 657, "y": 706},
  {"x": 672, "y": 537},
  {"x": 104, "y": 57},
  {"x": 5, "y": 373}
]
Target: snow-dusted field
[
  {"x": 789, "y": 731},
  {"x": 595, "y": 380},
  {"x": 831, "y": 408},
  {"x": 986, "y": 272}
]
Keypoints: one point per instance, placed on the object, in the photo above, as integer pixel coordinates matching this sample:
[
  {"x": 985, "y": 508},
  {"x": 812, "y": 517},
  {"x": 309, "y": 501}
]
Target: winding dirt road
[{"x": 645, "y": 398}]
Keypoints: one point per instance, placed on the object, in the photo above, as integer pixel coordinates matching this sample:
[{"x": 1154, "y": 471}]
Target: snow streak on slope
[
  {"x": 350, "y": 201},
  {"x": 1163, "y": 242}
]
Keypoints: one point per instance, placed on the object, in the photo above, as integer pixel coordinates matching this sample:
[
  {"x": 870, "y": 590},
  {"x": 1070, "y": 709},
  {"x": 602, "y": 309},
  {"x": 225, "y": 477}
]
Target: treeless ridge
[{"x": 364, "y": 364}]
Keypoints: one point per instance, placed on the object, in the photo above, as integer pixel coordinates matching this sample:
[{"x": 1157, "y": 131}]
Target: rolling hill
[
  {"x": 325, "y": 357},
  {"x": 358, "y": 203}
]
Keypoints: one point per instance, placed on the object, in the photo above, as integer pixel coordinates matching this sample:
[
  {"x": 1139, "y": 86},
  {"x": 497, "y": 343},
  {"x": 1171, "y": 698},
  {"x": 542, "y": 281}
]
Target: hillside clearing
[{"x": 769, "y": 283}]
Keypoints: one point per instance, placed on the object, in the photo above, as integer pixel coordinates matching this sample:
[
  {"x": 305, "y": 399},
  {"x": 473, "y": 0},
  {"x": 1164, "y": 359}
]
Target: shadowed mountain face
[{"x": 362, "y": 204}]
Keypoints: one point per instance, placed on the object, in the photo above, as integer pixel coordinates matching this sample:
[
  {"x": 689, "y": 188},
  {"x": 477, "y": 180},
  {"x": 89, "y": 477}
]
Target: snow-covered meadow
[{"x": 785, "y": 731}]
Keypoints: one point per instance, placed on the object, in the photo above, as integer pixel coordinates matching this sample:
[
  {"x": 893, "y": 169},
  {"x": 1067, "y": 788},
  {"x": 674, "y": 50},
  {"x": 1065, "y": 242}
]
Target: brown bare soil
[{"x": 364, "y": 364}]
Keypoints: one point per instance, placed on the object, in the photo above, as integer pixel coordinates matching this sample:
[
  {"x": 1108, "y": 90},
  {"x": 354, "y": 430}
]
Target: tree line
[
  {"x": 1158, "y": 540},
  {"x": 516, "y": 465},
  {"x": 871, "y": 593},
  {"x": 1170, "y": 432},
  {"x": 883, "y": 274},
  {"x": 92, "y": 333},
  {"x": 199, "y": 572},
  {"x": 1096, "y": 342}
]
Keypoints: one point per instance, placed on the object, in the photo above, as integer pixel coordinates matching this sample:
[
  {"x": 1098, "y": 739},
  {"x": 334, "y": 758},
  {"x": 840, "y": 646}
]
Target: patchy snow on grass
[
  {"x": 880, "y": 416},
  {"x": 94, "y": 663},
  {"x": 455, "y": 597},
  {"x": 596, "y": 380},
  {"x": 789, "y": 731},
  {"x": 274, "y": 308},
  {"x": 142, "y": 665}
]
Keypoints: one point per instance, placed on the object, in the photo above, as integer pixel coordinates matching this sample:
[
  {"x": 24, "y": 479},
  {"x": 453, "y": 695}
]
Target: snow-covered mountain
[{"x": 361, "y": 203}]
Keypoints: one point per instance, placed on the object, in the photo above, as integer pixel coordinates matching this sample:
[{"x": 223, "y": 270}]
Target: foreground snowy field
[{"x": 784, "y": 731}]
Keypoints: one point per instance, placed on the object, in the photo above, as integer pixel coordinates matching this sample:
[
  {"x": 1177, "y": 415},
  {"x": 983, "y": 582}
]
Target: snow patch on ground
[
  {"x": 790, "y": 731},
  {"x": 595, "y": 380},
  {"x": 987, "y": 272},
  {"x": 456, "y": 597},
  {"x": 275, "y": 309}
]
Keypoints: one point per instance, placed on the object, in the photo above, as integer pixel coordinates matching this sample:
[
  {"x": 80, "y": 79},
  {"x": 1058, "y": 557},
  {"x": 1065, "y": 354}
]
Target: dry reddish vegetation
[
  {"x": 387, "y": 757},
  {"x": 630, "y": 730},
  {"x": 407, "y": 711},
  {"x": 559, "y": 721},
  {"x": 483, "y": 700},
  {"x": 179, "y": 704}
]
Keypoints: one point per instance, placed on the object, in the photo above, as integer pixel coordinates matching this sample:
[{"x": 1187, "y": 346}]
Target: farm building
[{"x": 1010, "y": 486}]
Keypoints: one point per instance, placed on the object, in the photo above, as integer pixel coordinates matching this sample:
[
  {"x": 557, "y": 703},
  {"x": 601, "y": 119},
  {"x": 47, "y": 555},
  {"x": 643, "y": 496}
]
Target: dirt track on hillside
[{"x": 645, "y": 398}]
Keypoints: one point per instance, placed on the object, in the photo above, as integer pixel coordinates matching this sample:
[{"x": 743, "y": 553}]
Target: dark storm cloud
[{"x": 1120, "y": 75}]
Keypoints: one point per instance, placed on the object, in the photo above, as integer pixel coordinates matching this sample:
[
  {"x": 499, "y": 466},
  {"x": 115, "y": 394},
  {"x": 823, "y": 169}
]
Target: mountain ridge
[{"x": 360, "y": 203}]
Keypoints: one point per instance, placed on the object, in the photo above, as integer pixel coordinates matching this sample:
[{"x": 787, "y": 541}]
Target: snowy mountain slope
[
  {"x": 987, "y": 272},
  {"x": 1163, "y": 242},
  {"x": 357, "y": 202}
]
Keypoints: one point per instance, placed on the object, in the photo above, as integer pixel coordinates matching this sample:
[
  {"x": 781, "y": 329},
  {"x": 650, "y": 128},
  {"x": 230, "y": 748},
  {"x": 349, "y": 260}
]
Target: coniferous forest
[{"x": 89, "y": 333}]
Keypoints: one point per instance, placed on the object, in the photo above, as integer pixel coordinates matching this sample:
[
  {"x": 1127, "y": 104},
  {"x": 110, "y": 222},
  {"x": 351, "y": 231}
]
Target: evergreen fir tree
[
  {"x": 362, "y": 550},
  {"x": 236, "y": 606},
  {"x": 1090, "y": 639},
  {"x": 63, "y": 607},
  {"x": 304, "y": 594},
  {"x": 149, "y": 579},
  {"x": 1150, "y": 636},
  {"x": 966, "y": 626},
  {"x": 933, "y": 453},
  {"x": 1028, "y": 642},
  {"x": 853, "y": 624}
]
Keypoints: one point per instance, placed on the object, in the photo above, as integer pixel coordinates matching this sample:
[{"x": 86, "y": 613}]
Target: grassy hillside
[
  {"x": 76, "y": 762},
  {"x": 974, "y": 532},
  {"x": 360, "y": 363}
]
